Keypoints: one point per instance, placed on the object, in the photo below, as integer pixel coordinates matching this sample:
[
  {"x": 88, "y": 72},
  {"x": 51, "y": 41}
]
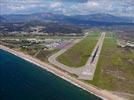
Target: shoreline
[{"x": 103, "y": 94}]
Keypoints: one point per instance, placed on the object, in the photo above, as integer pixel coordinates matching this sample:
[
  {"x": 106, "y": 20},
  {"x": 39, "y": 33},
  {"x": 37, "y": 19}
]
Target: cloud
[
  {"x": 69, "y": 7},
  {"x": 20, "y": 7},
  {"x": 74, "y": 1},
  {"x": 16, "y": 7},
  {"x": 55, "y": 5},
  {"x": 115, "y": 7},
  {"x": 90, "y": 7}
]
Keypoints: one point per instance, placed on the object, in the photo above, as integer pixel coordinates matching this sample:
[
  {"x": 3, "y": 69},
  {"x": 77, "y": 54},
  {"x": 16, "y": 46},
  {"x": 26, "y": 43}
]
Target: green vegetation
[
  {"x": 24, "y": 37},
  {"x": 45, "y": 54},
  {"x": 37, "y": 47},
  {"x": 115, "y": 69},
  {"x": 32, "y": 50},
  {"x": 78, "y": 54}
]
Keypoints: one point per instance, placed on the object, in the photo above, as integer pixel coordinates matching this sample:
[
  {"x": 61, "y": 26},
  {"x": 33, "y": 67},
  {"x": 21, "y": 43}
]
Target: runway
[{"x": 87, "y": 71}]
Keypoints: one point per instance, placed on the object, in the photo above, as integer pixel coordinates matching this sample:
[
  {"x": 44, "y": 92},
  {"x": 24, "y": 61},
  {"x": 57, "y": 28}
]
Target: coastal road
[{"x": 85, "y": 72}]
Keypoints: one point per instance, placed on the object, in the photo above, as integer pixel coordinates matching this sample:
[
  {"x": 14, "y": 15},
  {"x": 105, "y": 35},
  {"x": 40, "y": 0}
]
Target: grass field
[
  {"x": 78, "y": 54},
  {"x": 31, "y": 50},
  {"x": 115, "y": 69},
  {"x": 23, "y": 37},
  {"x": 45, "y": 54}
]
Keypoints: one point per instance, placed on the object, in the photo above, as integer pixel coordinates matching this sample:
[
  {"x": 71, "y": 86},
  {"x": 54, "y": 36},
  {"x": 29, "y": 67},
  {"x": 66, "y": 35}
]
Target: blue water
[{"x": 21, "y": 80}]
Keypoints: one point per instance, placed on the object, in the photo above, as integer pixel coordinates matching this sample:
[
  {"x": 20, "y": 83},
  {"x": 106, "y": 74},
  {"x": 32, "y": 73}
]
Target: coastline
[{"x": 100, "y": 93}]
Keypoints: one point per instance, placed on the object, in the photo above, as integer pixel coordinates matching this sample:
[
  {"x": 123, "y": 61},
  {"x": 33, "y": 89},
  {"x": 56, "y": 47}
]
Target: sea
[{"x": 22, "y": 80}]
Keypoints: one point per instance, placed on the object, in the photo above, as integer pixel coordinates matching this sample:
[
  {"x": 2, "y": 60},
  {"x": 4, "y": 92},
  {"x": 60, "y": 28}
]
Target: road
[{"x": 85, "y": 72}]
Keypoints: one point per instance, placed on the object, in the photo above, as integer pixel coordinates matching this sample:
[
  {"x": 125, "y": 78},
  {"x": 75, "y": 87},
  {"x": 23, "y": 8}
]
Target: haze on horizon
[{"x": 68, "y": 7}]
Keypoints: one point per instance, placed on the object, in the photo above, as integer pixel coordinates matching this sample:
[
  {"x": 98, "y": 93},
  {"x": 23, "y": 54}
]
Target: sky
[{"x": 68, "y": 7}]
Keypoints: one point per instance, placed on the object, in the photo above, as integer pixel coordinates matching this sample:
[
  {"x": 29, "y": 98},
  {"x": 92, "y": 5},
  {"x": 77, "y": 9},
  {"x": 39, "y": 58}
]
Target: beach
[{"x": 98, "y": 92}]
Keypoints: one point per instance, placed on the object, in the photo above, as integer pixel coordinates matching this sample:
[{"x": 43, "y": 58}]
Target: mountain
[
  {"x": 2, "y": 19},
  {"x": 105, "y": 18},
  {"x": 52, "y": 28},
  {"x": 92, "y": 20},
  {"x": 36, "y": 16}
]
